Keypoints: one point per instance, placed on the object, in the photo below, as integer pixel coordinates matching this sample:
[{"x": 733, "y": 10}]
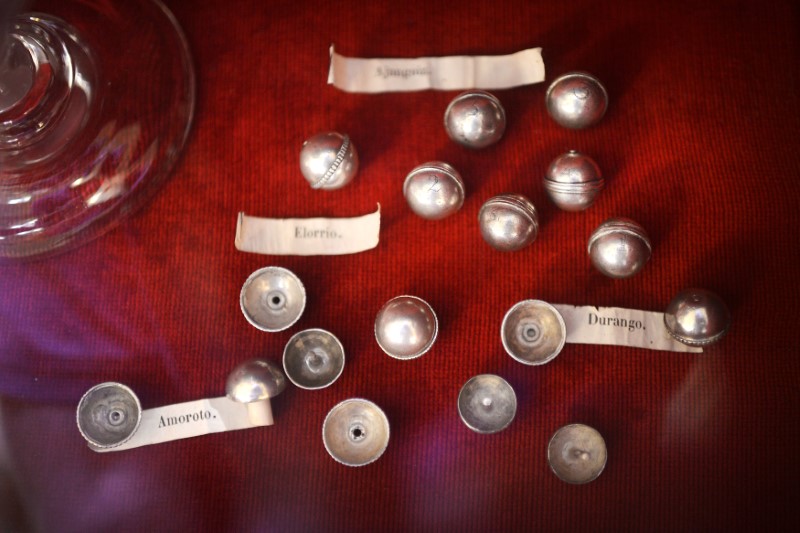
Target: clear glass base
[{"x": 96, "y": 102}]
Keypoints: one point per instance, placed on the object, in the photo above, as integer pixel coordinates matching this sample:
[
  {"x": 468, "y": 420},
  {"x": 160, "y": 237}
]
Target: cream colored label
[
  {"x": 381, "y": 75},
  {"x": 308, "y": 236},
  {"x": 185, "y": 420},
  {"x": 619, "y": 327}
]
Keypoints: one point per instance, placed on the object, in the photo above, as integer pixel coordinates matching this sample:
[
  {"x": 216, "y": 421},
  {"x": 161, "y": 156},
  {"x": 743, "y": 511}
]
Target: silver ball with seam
[
  {"x": 576, "y": 100},
  {"x": 434, "y": 190},
  {"x": 573, "y": 181},
  {"x": 475, "y": 119},
  {"x": 329, "y": 160},
  {"x": 508, "y": 222},
  {"x": 619, "y": 248}
]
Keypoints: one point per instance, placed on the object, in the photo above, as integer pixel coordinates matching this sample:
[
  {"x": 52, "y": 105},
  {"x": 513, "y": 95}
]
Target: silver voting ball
[
  {"x": 619, "y": 248},
  {"x": 254, "y": 381},
  {"x": 487, "y": 403},
  {"x": 508, "y": 222},
  {"x": 475, "y": 119},
  {"x": 272, "y": 298},
  {"x": 406, "y": 327},
  {"x": 313, "y": 359},
  {"x": 697, "y": 317},
  {"x": 329, "y": 160},
  {"x": 576, "y": 100},
  {"x": 434, "y": 190},
  {"x": 108, "y": 415},
  {"x": 355, "y": 432},
  {"x": 577, "y": 453},
  {"x": 533, "y": 332},
  {"x": 573, "y": 181}
]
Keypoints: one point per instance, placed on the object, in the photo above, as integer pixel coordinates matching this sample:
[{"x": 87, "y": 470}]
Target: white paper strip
[
  {"x": 380, "y": 75},
  {"x": 184, "y": 420},
  {"x": 308, "y": 236},
  {"x": 620, "y": 327}
]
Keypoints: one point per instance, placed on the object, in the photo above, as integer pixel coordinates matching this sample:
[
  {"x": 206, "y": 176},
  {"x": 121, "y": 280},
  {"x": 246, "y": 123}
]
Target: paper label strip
[
  {"x": 619, "y": 327},
  {"x": 380, "y": 75},
  {"x": 308, "y": 236},
  {"x": 185, "y": 420}
]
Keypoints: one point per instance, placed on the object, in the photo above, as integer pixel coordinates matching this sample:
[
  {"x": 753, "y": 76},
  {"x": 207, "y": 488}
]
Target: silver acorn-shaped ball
[
  {"x": 697, "y": 317},
  {"x": 576, "y": 100},
  {"x": 573, "y": 181},
  {"x": 508, "y": 222},
  {"x": 329, "y": 160},
  {"x": 434, "y": 190},
  {"x": 475, "y": 119},
  {"x": 406, "y": 327},
  {"x": 619, "y": 248}
]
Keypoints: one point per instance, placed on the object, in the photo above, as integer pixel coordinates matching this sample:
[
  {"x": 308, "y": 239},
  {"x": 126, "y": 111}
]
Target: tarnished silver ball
[
  {"x": 573, "y": 181},
  {"x": 355, "y": 432},
  {"x": 576, "y": 100},
  {"x": 313, "y": 359},
  {"x": 533, "y": 332},
  {"x": 108, "y": 415},
  {"x": 406, "y": 327},
  {"x": 577, "y": 453},
  {"x": 619, "y": 248},
  {"x": 508, "y": 222},
  {"x": 329, "y": 160},
  {"x": 697, "y": 317},
  {"x": 434, "y": 190},
  {"x": 487, "y": 403},
  {"x": 475, "y": 119}
]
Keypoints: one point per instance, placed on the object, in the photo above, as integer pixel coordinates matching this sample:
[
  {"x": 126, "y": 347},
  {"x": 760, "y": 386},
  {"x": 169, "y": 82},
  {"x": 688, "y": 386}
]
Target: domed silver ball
[
  {"x": 355, "y": 432},
  {"x": 313, "y": 359},
  {"x": 406, "y": 327},
  {"x": 573, "y": 181},
  {"x": 434, "y": 190},
  {"x": 533, "y": 332},
  {"x": 108, "y": 415},
  {"x": 475, "y": 119},
  {"x": 508, "y": 222},
  {"x": 329, "y": 160},
  {"x": 487, "y": 403},
  {"x": 697, "y": 317},
  {"x": 576, "y": 100},
  {"x": 619, "y": 248},
  {"x": 272, "y": 298}
]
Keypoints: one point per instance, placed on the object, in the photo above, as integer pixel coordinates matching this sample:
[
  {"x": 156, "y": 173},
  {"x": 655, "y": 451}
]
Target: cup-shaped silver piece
[
  {"x": 487, "y": 403},
  {"x": 508, "y": 222},
  {"x": 577, "y": 453},
  {"x": 434, "y": 190},
  {"x": 273, "y": 298},
  {"x": 313, "y": 359},
  {"x": 406, "y": 327},
  {"x": 619, "y": 248},
  {"x": 573, "y": 181},
  {"x": 108, "y": 415},
  {"x": 576, "y": 100},
  {"x": 255, "y": 383},
  {"x": 475, "y": 119},
  {"x": 697, "y": 317},
  {"x": 533, "y": 332},
  {"x": 356, "y": 432},
  {"x": 329, "y": 160}
]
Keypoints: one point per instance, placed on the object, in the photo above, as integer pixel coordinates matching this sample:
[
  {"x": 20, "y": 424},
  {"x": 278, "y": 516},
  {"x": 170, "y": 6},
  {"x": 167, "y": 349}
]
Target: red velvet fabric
[{"x": 700, "y": 145}]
